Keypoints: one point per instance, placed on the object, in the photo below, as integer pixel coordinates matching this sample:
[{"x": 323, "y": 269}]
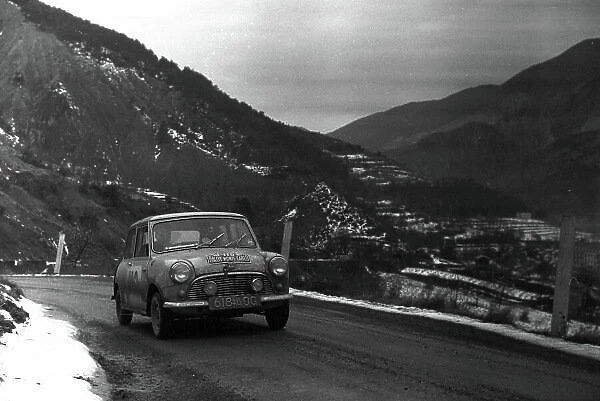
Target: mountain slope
[
  {"x": 562, "y": 90},
  {"x": 406, "y": 124},
  {"x": 88, "y": 116},
  {"x": 91, "y": 102},
  {"x": 527, "y": 121},
  {"x": 95, "y": 94}
]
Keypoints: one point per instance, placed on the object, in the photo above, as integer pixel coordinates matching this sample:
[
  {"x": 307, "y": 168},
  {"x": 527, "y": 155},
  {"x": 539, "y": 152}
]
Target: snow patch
[
  {"x": 258, "y": 169},
  {"x": 105, "y": 63},
  {"x": 42, "y": 360},
  {"x": 60, "y": 90},
  {"x": 148, "y": 193},
  {"x": 13, "y": 125},
  {"x": 291, "y": 214},
  {"x": 12, "y": 139}
]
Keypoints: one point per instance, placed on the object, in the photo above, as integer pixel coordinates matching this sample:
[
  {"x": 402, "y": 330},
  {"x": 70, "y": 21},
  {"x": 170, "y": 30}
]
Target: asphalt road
[{"x": 327, "y": 352}]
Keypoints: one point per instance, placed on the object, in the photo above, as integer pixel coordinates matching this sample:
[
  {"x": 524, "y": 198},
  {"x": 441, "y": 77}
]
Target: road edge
[{"x": 433, "y": 322}]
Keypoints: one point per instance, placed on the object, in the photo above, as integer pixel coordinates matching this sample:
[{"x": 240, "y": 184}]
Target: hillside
[
  {"x": 534, "y": 135},
  {"x": 89, "y": 117},
  {"x": 96, "y": 132}
]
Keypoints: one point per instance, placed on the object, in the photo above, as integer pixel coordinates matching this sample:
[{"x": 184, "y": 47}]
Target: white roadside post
[
  {"x": 287, "y": 238},
  {"x": 560, "y": 306},
  {"x": 59, "y": 252}
]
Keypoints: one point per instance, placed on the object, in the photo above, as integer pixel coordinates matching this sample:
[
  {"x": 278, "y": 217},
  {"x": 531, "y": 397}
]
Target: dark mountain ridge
[
  {"x": 566, "y": 84},
  {"x": 527, "y": 121},
  {"x": 407, "y": 123},
  {"x": 573, "y": 67}
]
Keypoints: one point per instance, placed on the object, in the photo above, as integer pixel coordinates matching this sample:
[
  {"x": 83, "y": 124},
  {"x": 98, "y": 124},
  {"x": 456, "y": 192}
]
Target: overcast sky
[{"x": 321, "y": 64}]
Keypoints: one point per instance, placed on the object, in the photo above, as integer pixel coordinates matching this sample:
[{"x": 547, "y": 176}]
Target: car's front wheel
[
  {"x": 277, "y": 317},
  {"x": 161, "y": 318},
  {"x": 124, "y": 316}
]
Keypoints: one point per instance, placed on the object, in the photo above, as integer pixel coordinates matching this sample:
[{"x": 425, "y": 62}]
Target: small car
[{"x": 194, "y": 264}]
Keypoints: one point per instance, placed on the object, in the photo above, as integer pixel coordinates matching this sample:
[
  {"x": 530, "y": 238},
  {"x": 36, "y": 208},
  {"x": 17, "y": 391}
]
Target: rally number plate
[{"x": 233, "y": 302}]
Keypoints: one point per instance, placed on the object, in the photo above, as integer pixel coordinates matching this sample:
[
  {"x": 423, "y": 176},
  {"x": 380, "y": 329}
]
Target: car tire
[
  {"x": 124, "y": 316},
  {"x": 277, "y": 317},
  {"x": 161, "y": 318}
]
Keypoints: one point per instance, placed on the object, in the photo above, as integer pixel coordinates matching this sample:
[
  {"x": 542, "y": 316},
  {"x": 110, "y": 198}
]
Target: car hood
[{"x": 212, "y": 260}]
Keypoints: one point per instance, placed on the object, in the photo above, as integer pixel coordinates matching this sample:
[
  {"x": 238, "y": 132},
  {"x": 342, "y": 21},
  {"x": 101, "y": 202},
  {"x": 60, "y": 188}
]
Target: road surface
[{"x": 327, "y": 352}]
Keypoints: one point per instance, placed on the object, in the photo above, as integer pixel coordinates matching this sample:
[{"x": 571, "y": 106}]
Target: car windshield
[{"x": 201, "y": 232}]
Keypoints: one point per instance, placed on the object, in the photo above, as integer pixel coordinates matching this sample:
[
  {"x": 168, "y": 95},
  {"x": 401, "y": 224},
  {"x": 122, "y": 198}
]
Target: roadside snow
[
  {"x": 514, "y": 293},
  {"x": 583, "y": 350},
  {"x": 41, "y": 360}
]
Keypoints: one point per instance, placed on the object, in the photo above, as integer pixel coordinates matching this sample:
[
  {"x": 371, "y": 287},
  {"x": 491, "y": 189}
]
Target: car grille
[{"x": 232, "y": 284}]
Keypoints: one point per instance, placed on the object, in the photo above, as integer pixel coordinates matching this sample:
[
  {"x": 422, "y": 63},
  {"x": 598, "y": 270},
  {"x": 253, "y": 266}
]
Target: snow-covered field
[{"x": 42, "y": 360}]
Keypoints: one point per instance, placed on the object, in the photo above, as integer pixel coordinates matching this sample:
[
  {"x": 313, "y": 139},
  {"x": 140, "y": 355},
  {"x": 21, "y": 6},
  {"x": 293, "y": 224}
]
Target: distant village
[{"x": 522, "y": 243}]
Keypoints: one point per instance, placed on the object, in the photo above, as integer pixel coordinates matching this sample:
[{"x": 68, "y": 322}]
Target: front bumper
[{"x": 264, "y": 299}]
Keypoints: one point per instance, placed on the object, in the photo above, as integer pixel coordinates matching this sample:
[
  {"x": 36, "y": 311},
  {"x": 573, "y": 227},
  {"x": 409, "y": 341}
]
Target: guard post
[
  {"x": 287, "y": 238},
  {"x": 59, "y": 252},
  {"x": 560, "y": 305}
]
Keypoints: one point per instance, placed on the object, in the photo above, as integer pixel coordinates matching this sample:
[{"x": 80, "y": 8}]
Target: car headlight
[
  {"x": 278, "y": 266},
  {"x": 181, "y": 272}
]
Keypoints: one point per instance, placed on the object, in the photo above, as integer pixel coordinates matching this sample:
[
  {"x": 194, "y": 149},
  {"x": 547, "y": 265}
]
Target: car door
[
  {"x": 122, "y": 274},
  {"x": 138, "y": 270}
]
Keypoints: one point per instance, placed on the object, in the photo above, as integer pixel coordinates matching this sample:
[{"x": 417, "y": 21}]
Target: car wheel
[
  {"x": 161, "y": 318},
  {"x": 124, "y": 316},
  {"x": 277, "y": 317}
]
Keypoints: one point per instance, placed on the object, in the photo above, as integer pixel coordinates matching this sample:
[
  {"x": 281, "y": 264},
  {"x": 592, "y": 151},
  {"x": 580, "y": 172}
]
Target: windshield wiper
[
  {"x": 179, "y": 246},
  {"x": 235, "y": 241},
  {"x": 211, "y": 241}
]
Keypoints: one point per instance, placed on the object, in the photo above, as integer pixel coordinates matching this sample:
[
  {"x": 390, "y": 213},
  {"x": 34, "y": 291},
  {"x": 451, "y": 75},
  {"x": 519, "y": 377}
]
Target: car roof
[{"x": 184, "y": 215}]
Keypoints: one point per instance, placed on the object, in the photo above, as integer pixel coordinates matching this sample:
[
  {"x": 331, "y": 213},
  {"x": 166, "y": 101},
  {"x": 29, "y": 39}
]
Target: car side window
[
  {"x": 141, "y": 242},
  {"x": 129, "y": 243}
]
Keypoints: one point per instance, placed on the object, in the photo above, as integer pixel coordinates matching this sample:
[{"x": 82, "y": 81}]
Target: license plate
[{"x": 233, "y": 302}]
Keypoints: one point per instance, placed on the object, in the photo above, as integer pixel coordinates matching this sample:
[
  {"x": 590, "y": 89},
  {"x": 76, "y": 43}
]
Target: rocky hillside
[
  {"x": 97, "y": 131},
  {"x": 534, "y": 135}
]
